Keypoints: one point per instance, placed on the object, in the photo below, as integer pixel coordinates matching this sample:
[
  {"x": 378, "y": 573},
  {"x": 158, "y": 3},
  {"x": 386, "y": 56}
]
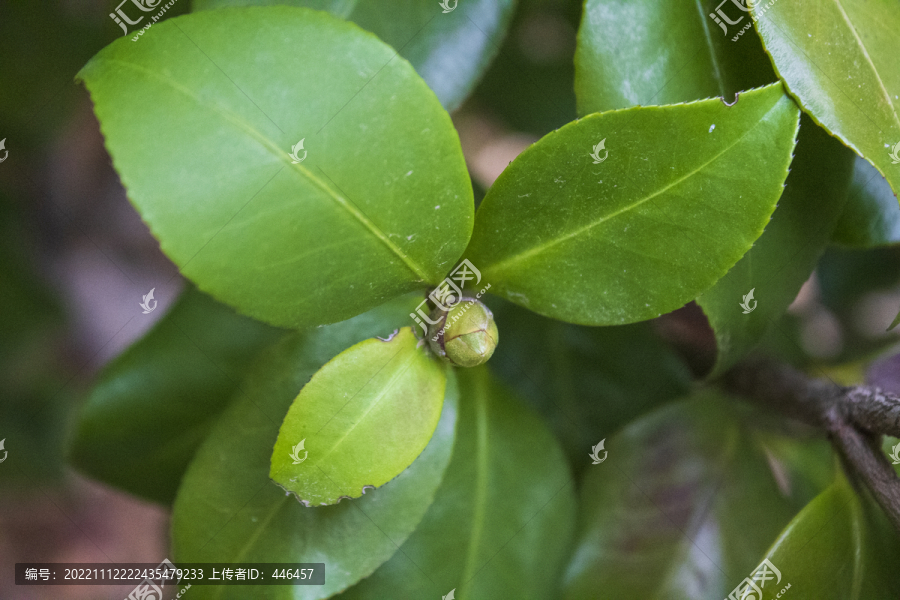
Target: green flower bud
[{"x": 464, "y": 336}]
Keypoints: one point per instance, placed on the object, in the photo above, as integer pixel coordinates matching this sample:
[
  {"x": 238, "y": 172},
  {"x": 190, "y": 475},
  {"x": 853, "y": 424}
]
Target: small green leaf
[
  {"x": 200, "y": 117},
  {"x": 838, "y": 59},
  {"x": 668, "y": 52},
  {"x": 153, "y": 406},
  {"x": 501, "y": 521},
  {"x": 449, "y": 50},
  {"x": 786, "y": 253},
  {"x": 360, "y": 421},
  {"x": 686, "y": 501},
  {"x": 228, "y": 509},
  {"x": 839, "y": 547},
  {"x": 614, "y": 235},
  {"x": 872, "y": 215}
]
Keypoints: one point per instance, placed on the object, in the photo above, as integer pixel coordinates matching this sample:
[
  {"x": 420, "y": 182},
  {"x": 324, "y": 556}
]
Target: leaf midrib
[
  {"x": 556, "y": 241},
  {"x": 865, "y": 52},
  {"x": 701, "y": 516},
  {"x": 402, "y": 369},
  {"x": 267, "y": 143},
  {"x": 712, "y": 53},
  {"x": 251, "y": 541},
  {"x": 480, "y": 496}
]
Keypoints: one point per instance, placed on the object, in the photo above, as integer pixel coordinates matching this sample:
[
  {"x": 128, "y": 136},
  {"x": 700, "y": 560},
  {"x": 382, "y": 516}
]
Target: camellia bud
[{"x": 466, "y": 335}]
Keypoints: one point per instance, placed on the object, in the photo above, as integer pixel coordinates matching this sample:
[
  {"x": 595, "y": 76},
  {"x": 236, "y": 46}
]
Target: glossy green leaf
[
  {"x": 891, "y": 446},
  {"x": 686, "y": 501},
  {"x": 840, "y": 547},
  {"x": 153, "y": 406},
  {"x": 894, "y": 323},
  {"x": 663, "y": 52},
  {"x": 229, "y": 510},
  {"x": 501, "y": 521},
  {"x": 360, "y": 421},
  {"x": 200, "y": 116},
  {"x": 587, "y": 382},
  {"x": 449, "y": 50},
  {"x": 784, "y": 257},
  {"x": 872, "y": 215},
  {"x": 838, "y": 59},
  {"x": 679, "y": 195}
]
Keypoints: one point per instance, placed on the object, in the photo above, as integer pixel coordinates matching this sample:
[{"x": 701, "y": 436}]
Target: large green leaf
[
  {"x": 687, "y": 500},
  {"x": 838, "y": 59},
  {"x": 840, "y": 547},
  {"x": 681, "y": 194},
  {"x": 449, "y": 50},
  {"x": 200, "y": 115},
  {"x": 360, "y": 421},
  {"x": 662, "y": 52},
  {"x": 152, "y": 407},
  {"x": 872, "y": 215},
  {"x": 501, "y": 522},
  {"x": 229, "y": 510},
  {"x": 587, "y": 382},
  {"x": 786, "y": 254}
]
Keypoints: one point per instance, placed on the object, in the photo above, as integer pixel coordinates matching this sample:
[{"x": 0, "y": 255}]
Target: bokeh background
[{"x": 76, "y": 260}]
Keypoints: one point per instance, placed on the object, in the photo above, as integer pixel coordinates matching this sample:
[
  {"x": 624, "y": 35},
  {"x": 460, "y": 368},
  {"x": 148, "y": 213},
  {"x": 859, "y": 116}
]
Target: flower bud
[{"x": 464, "y": 336}]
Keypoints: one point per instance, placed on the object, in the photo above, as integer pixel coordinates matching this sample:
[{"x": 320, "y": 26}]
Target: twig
[{"x": 854, "y": 417}]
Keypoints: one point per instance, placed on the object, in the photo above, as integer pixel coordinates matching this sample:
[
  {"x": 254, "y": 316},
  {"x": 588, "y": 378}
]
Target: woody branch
[{"x": 854, "y": 418}]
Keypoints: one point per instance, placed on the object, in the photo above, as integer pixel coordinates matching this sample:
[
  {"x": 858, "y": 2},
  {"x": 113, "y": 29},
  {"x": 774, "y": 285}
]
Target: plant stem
[{"x": 854, "y": 417}]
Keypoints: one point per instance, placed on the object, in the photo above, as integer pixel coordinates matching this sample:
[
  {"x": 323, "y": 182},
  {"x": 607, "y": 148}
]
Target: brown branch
[{"x": 854, "y": 418}]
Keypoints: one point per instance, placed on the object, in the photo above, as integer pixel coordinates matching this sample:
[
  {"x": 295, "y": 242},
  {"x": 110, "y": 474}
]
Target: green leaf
[
  {"x": 587, "y": 382},
  {"x": 450, "y": 51},
  {"x": 153, "y": 406},
  {"x": 872, "y": 215},
  {"x": 838, "y": 548},
  {"x": 787, "y": 252},
  {"x": 666, "y": 52},
  {"x": 360, "y": 421},
  {"x": 838, "y": 59},
  {"x": 200, "y": 116},
  {"x": 894, "y": 323},
  {"x": 681, "y": 194},
  {"x": 687, "y": 500},
  {"x": 501, "y": 521},
  {"x": 229, "y": 510},
  {"x": 891, "y": 446}
]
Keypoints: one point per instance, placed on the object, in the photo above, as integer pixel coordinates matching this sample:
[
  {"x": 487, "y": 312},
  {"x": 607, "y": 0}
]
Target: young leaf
[
  {"x": 840, "y": 547},
  {"x": 614, "y": 235},
  {"x": 872, "y": 215},
  {"x": 501, "y": 521},
  {"x": 360, "y": 421},
  {"x": 839, "y": 61},
  {"x": 786, "y": 254},
  {"x": 687, "y": 500},
  {"x": 449, "y": 50},
  {"x": 668, "y": 52},
  {"x": 152, "y": 407},
  {"x": 228, "y": 509},
  {"x": 200, "y": 117}
]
